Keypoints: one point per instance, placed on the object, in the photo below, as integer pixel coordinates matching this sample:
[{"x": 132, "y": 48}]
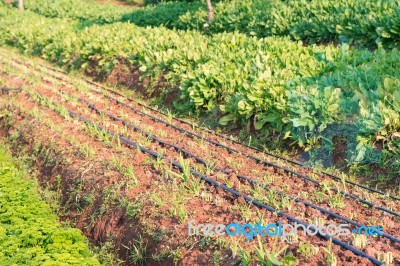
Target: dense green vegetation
[
  {"x": 29, "y": 231},
  {"x": 251, "y": 70},
  {"x": 167, "y": 14},
  {"x": 355, "y": 21},
  {"x": 362, "y": 22},
  {"x": 272, "y": 83},
  {"x": 246, "y": 78},
  {"x": 85, "y": 11}
]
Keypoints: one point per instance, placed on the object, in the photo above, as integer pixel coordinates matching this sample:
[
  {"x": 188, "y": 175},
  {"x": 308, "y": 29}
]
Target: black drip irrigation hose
[
  {"x": 223, "y": 187},
  {"x": 9, "y": 90},
  {"x": 248, "y": 179},
  {"x": 245, "y": 145},
  {"x": 227, "y": 138},
  {"x": 259, "y": 160}
]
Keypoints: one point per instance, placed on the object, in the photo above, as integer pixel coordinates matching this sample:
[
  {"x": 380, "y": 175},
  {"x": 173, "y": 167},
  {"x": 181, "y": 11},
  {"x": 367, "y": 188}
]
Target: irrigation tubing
[
  {"x": 230, "y": 139},
  {"x": 248, "y": 179},
  {"x": 243, "y": 144},
  {"x": 246, "y": 145},
  {"x": 224, "y": 137},
  {"x": 227, "y": 138},
  {"x": 259, "y": 160},
  {"x": 223, "y": 187}
]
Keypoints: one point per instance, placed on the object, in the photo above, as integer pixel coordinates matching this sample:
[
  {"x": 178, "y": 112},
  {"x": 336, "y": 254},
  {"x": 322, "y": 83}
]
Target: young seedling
[
  {"x": 386, "y": 258},
  {"x": 118, "y": 163},
  {"x": 273, "y": 256},
  {"x": 319, "y": 221},
  {"x": 271, "y": 198},
  {"x": 359, "y": 241},
  {"x": 307, "y": 250},
  {"x": 162, "y": 255},
  {"x": 268, "y": 178},
  {"x": 319, "y": 197},
  {"x": 261, "y": 216},
  {"x": 258, "y": 192},
  {"x": 337, "y": 201},
  {"x": 133, "y": 209},
  {"x": 208, "y": 197},
  {"x": 107, "y": 255},
  {"x": 130, "y": 173},
  {"x": 159, "y": 201},
  {"x": 138, "y": 251},
  {"x": 286, "y": 203},
  {"x": 222, "y": 243},
  {"x": 185, "y": 168},
  {"x": 235, "y": 164},
  {"x": 170, "y": 116},
  {"x": 245, "y": 257},
  {"x": 234, "y": 246},
  {"x": 228, "y": 182},
  {"x": 177, "y": 208},
  {"x": 325, "y": 187},
  {"x": 87, "y": 150},
  {"x": 343, "y": 180},
  {"x": 331, "y": 259},
  {"x": 204, "y": 242},
  {"x": 218, "y": 258},
  {"x": 194, "y": 186},
  {"x": 158, "y": 164},
  {"x": 245, "y": 211},
  {"x": 176, "y": 255}
]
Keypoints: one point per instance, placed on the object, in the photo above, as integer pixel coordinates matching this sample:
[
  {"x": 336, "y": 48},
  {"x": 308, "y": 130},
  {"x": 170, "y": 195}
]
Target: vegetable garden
[{"x": 267, "y": 66}]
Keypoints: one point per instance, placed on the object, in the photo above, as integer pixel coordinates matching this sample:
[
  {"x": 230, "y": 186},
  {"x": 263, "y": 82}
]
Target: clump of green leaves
[
  {"x": 248, "y": 81},
  {"x": 29, "y": 231}
]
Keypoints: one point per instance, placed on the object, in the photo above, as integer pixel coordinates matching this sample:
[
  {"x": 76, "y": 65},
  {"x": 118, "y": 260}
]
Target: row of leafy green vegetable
[
  {"x": 29, "y": 232},
  {"x": 362, "y": 22},
  {"x": 272, "y": 82},
  {"x": 86, "y": 11}
]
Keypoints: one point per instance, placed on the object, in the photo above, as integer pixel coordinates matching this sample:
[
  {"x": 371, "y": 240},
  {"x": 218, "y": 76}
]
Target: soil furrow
[
  {"x": 219, "y": 157},
  {"x": 83, "y": 107}
]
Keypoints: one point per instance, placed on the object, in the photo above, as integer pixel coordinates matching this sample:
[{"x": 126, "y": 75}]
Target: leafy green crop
[
  {"x": 352, "y": 21},
  {"x": 166, "y": 14},
  {"x": 29, "y": 231},
  {"x": 86, "y": 11},
  {"x": 270, "y": 82}
]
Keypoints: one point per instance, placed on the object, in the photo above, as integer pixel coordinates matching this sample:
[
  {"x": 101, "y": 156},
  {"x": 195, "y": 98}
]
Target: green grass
[{"x": 29, "y": 232}]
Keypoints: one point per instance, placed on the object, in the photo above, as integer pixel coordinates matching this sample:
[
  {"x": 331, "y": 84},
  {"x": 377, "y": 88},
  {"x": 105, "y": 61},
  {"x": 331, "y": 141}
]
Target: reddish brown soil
[
  {"x": 131, "y": 78},
  {"x": 97, "y": 177}
]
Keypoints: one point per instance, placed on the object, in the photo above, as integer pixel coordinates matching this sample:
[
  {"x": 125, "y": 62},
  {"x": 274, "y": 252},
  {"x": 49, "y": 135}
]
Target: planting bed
[{"x": 136, "y": 177}]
